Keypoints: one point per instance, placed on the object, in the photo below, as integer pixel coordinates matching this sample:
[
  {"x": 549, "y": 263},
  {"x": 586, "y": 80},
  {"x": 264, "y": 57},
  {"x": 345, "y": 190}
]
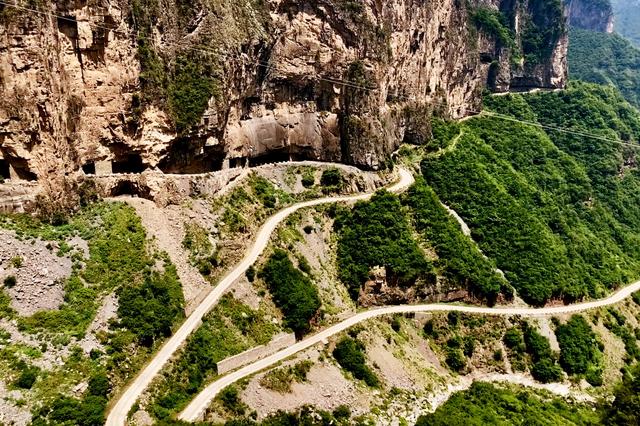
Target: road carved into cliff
[{"x": 118, "y": 413}]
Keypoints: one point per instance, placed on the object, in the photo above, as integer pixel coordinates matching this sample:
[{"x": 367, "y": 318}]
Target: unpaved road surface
[
  {"x": 118, "y": 414},
  {"x": 203, "y": 399}
]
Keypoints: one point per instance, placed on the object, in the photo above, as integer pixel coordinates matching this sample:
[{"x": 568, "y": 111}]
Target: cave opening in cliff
[
  {"x": 131, "y": 163},
  {"x": 190, "y": 156},
  {"x": 22, "y": 172},
  {"x": 269, "y": 158},
  {"x": 134, "y": 189},
  {"x": 5, "y": 173},
  {"x": 89, "y": 168},
  {"x": 237, "y": 162}
]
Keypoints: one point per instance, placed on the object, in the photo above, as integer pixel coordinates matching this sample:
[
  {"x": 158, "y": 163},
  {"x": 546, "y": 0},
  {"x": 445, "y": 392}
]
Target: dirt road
[
  {"x": 118, "y": 413},
  {"x": 203, "y": 399}
]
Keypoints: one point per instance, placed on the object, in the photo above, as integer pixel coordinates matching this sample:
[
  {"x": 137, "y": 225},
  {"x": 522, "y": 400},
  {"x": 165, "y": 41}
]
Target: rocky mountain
[
  {"x": 194, "y": 86},
  {"x": 594, "y": 15}
]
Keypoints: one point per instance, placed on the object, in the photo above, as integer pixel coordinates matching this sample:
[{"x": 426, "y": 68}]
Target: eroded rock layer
[{"x": 195, "y": 86}]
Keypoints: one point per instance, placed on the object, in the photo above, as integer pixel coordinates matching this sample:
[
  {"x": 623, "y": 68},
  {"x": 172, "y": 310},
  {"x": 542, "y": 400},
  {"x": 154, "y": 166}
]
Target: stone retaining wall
[{"x": 279, "y": 342}]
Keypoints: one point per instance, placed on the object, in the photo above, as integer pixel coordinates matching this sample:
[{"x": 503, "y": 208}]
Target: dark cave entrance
[
  {"x": 22, "y": 171},
  {"x": 192, "y": 157},
  {"x": 237, "y": 162},
  {"x": 131, "y": 163},
  {"x": 270, "y": 157},
  {"x": 5, "y": 172},
  {"x": 133, "y": 189},
  {"x": 89, "y": 168}
]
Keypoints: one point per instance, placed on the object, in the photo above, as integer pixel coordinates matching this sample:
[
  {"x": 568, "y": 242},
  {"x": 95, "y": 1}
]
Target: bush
[
  {"x": 10, "y": 281},
  {"x": 230, "y": 398},
  {"x": 27, "y": 377},
  {"x": 308, "y": 180},
  {"x": 578, "y": 346},
  {"x": 293, "y": 292},
  {"x": 332, "y": 179},
  {"x": 250, "y": 273},
  {"x": 546, "y": 371},
  {"x": 377, "y": 233},
  {"x": 16, "y": 261},
  {"x": 150, "y": 309},
  {"x": 455, "y": 359},
  {"x": 350, "y": 355},
  {"x": 488, "y": 404}
]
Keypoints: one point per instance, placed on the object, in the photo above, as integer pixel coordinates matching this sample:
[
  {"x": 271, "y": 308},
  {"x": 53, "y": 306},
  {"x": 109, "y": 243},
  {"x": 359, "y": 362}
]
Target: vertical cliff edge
[{"x": 195, "y": 86}]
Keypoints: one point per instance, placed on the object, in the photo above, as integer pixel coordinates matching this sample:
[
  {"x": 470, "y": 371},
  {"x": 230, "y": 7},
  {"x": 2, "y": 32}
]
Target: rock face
[
  {"x": 195, "y": 86},
  {"x": 594, "y": 15}
]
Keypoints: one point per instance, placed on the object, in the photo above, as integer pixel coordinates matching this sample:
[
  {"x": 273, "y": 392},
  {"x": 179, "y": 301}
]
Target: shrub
[
  {"x": 455, "y": 359},
  {"x": 10, "y": 281},
  {"x": 230, "y": 398},
  {"x": 16, "y": 261},
  {"x": 332, "y": 179},
  {"x": 293, "y": 292},
  {"x": 377, "y": 233},
  {"x": 27, "y": 377},
  {"x": 250, "y": 273},
  {"x": 578, "y": 346},
  {"x": 149, "y": 309},
  {"x": 308, "y": 180},
  {"x": 350, "y": 355}
]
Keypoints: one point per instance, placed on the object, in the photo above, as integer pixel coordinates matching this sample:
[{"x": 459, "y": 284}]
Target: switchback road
[
  {"x": 118, "y": 413},
  {"x": 203, "y": 399}
]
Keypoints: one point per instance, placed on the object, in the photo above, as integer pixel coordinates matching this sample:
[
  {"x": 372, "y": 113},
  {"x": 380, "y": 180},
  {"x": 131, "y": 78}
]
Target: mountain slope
[{"x": 558, "y": 213}]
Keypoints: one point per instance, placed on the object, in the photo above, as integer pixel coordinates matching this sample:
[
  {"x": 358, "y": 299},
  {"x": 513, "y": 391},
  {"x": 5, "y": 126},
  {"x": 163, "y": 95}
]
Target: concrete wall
[{"x": 279, "y": 342}]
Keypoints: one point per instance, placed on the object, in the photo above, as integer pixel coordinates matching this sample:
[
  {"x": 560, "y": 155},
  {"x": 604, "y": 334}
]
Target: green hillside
[
  {"x": 627, "y": 19},
  {"x": 558, "y": 213},
  {"x": 605, "y": 59}
]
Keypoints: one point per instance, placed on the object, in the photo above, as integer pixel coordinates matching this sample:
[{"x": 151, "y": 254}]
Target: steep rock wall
[
  {"x": 594, "y": 15},
  {"x": 191, "y": 86}
]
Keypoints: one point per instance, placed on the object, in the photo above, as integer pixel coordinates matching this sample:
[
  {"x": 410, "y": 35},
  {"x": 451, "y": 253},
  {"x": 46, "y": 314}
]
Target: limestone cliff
[
  {"x": 594, "y": 15},
  {"x": 191, "y": 86}
]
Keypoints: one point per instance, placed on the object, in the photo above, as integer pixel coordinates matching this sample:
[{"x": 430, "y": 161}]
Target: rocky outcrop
[
  {"x": 189, "y": 87},
  {"x": 593, "y": 15}
]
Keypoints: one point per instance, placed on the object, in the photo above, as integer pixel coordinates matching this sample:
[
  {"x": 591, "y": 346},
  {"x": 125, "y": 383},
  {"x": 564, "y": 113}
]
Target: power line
[{"x": 345, "y": 83}]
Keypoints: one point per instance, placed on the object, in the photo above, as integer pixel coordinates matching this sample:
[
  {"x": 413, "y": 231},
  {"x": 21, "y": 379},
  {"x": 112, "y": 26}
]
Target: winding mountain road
[
  {"x": 203, "y": 399},
  {"x": 118, "y": 413}
]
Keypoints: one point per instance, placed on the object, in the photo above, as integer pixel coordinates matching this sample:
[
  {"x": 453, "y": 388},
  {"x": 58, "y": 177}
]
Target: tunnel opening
[
  {"x": 23, "y": 173},
  {"x": 190, "y": 157},
  {"x": 89, "y": 168},
  {"x": 270, "y": 157},
  {"x": 5, "y": 173},
  {"x": 132, "y": 189},
  {"x": 131, "y": 163},
  {"x": 237, "y": 162}
]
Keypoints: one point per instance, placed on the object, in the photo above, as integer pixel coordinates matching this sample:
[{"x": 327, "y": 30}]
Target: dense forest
[
  {"x": 605, "y": 59},
  {"x": 557, "y": 212}
]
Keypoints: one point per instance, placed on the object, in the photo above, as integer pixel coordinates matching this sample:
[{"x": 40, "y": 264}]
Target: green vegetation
[
  {"x": 10, "y": 281},
  {"x": 350, "y": 355},
  {"x": 487, "y": 404},
  {"x": 332, "y": 180},
  {"x": 580, "y": 349},
  {"x": 542, "y": 27},
  {"x": 605, "y": 59},
  {"x": 557, "y": 213},
  {"x": 230, "y": 328},
  {"x": 545, "y": 368},
  {"x": 494, "y": 24},
  {"x": 150, "y": 309},
  {"x": 377, "y": 233},
  {"x": 281, "y": 379},
  {"x": 626, "y": 405},
  {"x": 617, "y": 323},
  {"x": 459, "y": 260},
  {"x": 293, "y": 292},
  {"x": 189, "y": 92},
  {"x": 627, "y": 16}
]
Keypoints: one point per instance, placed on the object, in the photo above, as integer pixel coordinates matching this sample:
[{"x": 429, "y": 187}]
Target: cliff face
[
  {"x": 594, "y": 15},
  {"x": 192, "y": 86}
]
